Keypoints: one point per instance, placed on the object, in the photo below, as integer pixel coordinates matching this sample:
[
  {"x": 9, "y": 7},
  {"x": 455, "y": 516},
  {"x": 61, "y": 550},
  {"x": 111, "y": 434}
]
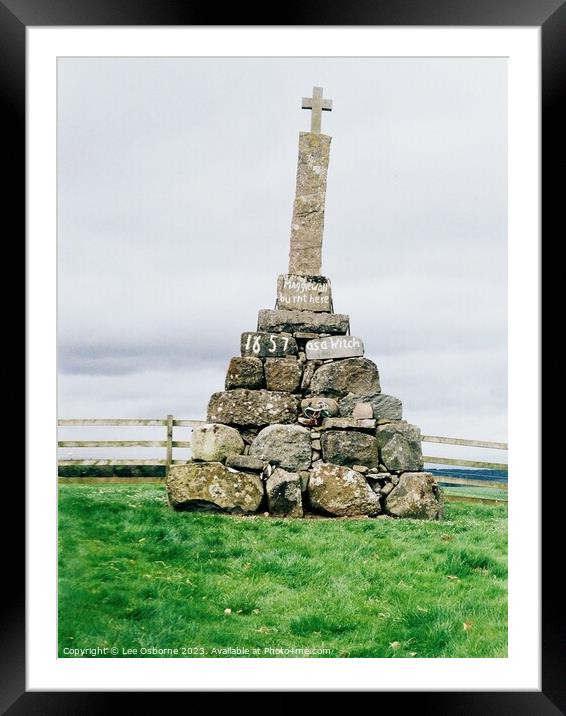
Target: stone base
[{"x": 321, "y": 437}]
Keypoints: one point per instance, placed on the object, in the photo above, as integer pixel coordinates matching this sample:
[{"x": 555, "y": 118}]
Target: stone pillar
[{"x": 305, "y": 256}]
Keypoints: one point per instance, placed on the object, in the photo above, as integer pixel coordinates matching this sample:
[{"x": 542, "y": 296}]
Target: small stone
[
  {"x": 386, "y": 489},
  {"x": 329, "y": 404},
  {"x": 212, "y": 486},
  {"x": 284, "y": 494},
  {"x": 361, "y": 468},
  {"x": 307, "y": 422},
  {"x": 214, "y": 442},
  {"x": 248, "y": 435},
  {"x": 245, "y": 462},
  {"x": 349, "y": 447},
  {"x": 351, "y": 375},
  {"x": 315, "y": 444},
  {"x": 316, "y": 455},
  {"x": 382, "y": 468},
  {"x": 288, "y": 446},
  {"x": 283, "y": 374},
  {"x": 374, "y": 484},
  {"x": 244, "y": 373},
  {"x": 302, "y": 357},
  {"x": 384, "y": 407},
  {"x": 362, "y": 411},
  {"x": 340, "y": 491},
  {"x": 308, "y": 373},
  {"x": 304, "y": 476},
  {"x": 301, "y": 336},
  {"x": 417, "y": 495},
  {"x": 314, "y": 435},
  {"x": 395, "y": 479},
  {"x": 347, "y": 424}
]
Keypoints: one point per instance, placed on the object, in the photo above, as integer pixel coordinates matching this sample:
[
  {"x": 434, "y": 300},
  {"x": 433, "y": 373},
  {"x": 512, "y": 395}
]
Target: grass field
[{"x": 134, "y": 575}]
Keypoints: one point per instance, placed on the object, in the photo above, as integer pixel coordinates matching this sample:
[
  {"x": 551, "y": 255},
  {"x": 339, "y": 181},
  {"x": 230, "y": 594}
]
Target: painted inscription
[
  {"x": 306, "y": 293},
  {"x": 334, "y": 347},
  {"x": 264, "y": 345}
]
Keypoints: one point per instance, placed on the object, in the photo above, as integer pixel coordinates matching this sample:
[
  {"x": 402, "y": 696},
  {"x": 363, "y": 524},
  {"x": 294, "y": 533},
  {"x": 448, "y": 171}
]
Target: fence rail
[{"x": 169, "y": 444}]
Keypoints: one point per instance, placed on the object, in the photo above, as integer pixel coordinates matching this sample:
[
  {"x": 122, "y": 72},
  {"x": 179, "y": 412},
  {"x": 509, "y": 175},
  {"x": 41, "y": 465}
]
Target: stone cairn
[{"x": 302, "y": 425}]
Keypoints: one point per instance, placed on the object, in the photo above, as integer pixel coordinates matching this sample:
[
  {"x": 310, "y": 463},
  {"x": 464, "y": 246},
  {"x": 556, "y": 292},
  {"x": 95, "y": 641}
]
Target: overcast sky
[{"x": 176, "y": 184}]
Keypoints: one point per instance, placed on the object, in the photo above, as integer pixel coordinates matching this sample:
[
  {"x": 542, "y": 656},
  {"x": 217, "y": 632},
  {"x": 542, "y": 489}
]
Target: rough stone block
[
  {"x": 245, "y": 373},
  {"x": 277, "y": 321},
  {"x": 212, "y": 486},
  {"x": 284, "y": 496},
  {"x": 349, "y": 447},
  {"x": 252, "y": 407},
  {"x": 288, "y": 446},
  {"x": 351, "y": 375},
  {"x": 283, "y": 374},
  {"x": 214, "y": 442},
  {"x": 340, "y": 491}
]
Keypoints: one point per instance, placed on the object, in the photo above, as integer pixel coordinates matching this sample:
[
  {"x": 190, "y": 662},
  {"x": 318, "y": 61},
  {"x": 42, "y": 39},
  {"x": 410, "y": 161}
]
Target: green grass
[
  {"x": 490, "y": 492},
  {"x": 135, "y": 574}
]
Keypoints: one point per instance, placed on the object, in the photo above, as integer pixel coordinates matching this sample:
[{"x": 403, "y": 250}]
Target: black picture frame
[{"x": 15, "y": 16}]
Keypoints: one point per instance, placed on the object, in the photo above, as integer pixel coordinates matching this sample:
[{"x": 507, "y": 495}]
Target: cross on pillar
[{"x": 317, "y": 105}]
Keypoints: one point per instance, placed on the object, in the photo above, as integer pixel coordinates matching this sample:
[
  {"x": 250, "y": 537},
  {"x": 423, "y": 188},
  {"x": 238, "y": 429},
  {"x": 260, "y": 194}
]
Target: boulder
[
  {"x": 288, "y": 321},
  {"x": 417, "y": 495},
  {"x": 244, "y": 373},
  {"x": 351, "y": 375},
  {"x": 383, "y": 406},
  {"x": 252, "y": 407},
  {"x": 212, "y": 486},
  {"x": 349, "y": 447},
  {"x": 340, "y": 491},
  {"x": 214, "y": 442},
  {"x": 245, "y": 463},
  {"x": 283, "y": 374},
  {"x": 288, "y": 446},
  {"x": 399, "y": 445},
  {"x": 284, "y": 494}
]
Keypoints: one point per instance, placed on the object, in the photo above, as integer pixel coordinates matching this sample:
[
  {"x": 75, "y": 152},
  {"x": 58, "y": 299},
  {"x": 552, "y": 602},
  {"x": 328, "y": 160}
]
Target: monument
[{"x": 302, "y": 424}]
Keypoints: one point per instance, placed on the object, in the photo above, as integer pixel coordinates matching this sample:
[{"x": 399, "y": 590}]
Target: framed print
[{"x": 302, "y": 368}]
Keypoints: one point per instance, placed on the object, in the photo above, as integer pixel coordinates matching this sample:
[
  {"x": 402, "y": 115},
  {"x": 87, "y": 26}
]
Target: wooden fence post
[{"x": 169, "y": 448}]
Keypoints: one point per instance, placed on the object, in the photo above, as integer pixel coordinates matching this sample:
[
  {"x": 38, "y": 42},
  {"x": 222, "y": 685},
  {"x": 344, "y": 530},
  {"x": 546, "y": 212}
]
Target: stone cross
[
  {"x": 317, "y": 105},
  {"x": 305, "y": 255}
]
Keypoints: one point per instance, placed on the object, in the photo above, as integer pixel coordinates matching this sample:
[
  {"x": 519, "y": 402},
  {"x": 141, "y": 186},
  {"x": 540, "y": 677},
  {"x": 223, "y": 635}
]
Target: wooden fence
[{"x": 169, "y": 444}]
